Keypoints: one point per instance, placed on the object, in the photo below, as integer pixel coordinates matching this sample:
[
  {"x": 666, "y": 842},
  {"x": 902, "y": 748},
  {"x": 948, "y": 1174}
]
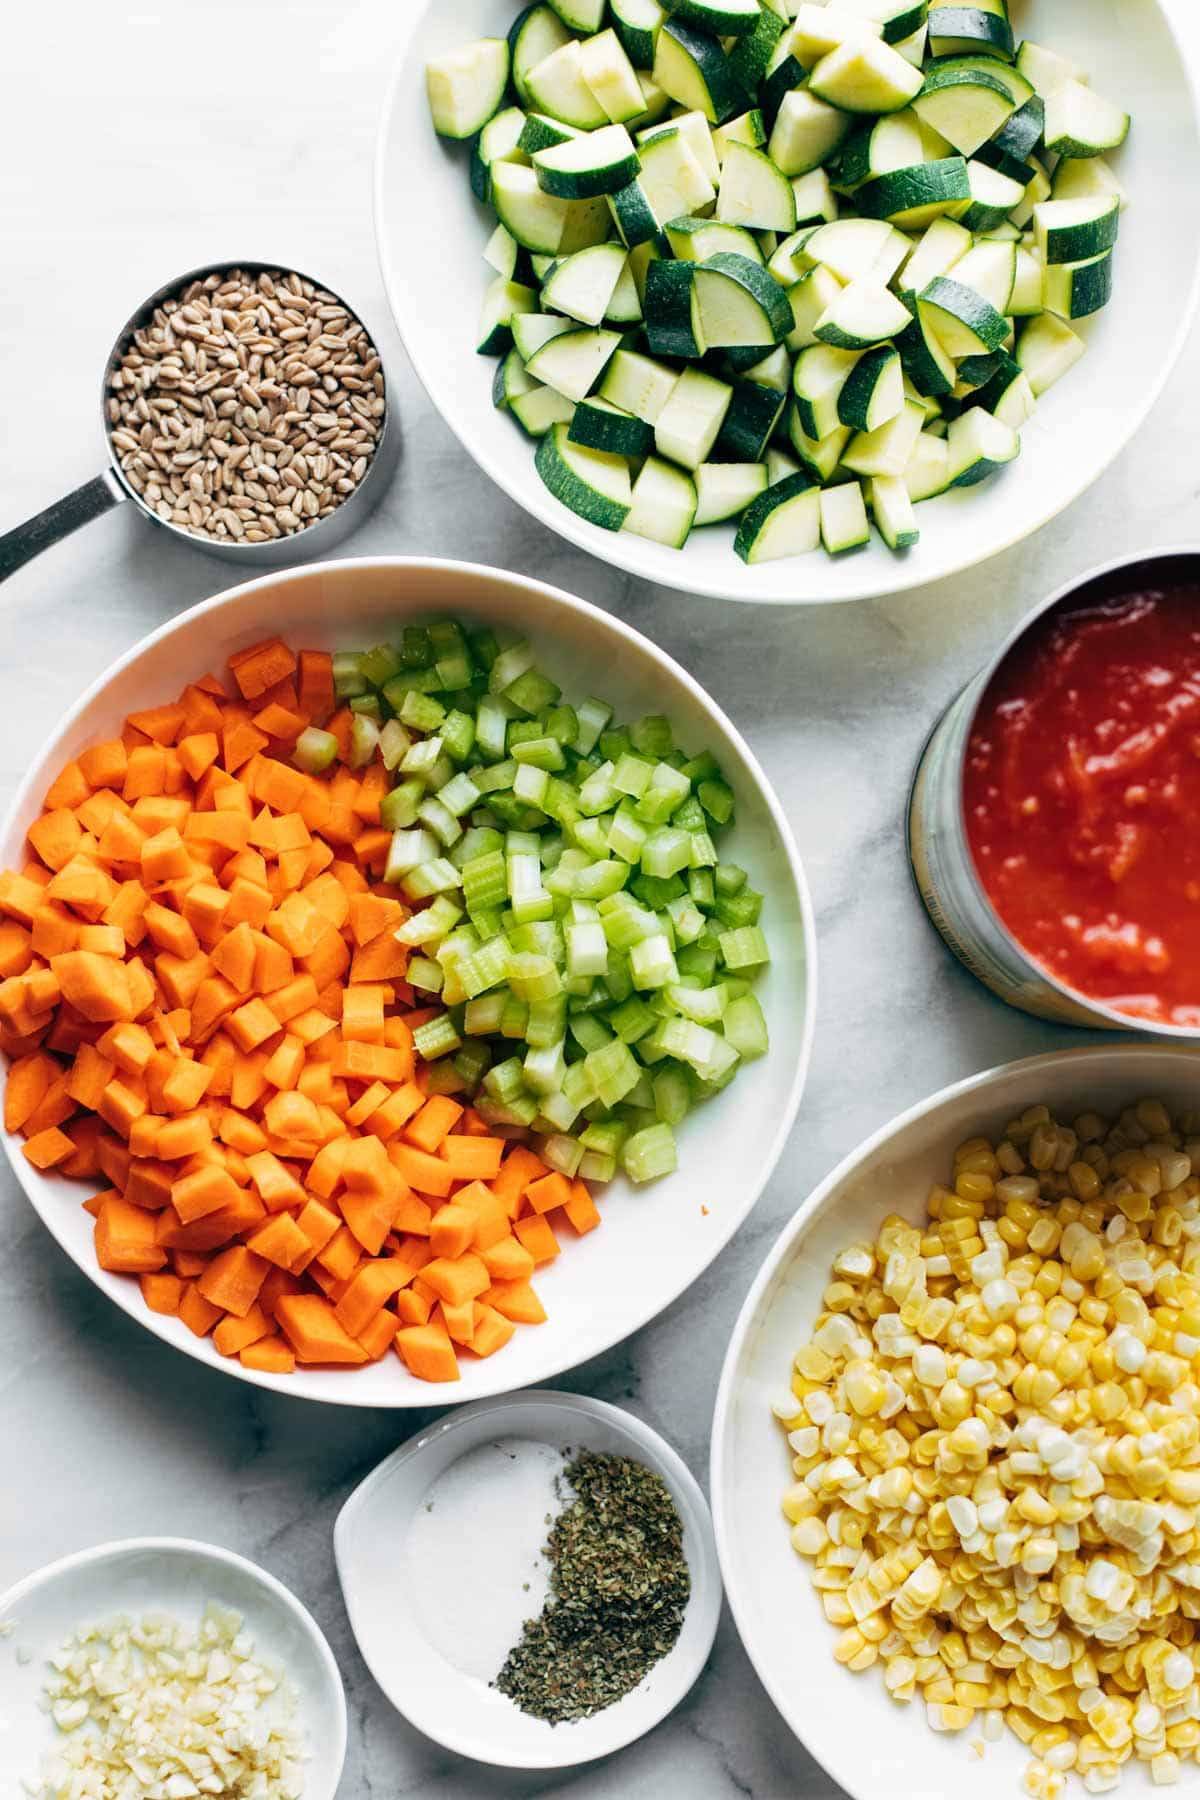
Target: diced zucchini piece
[
  {"x": 602, "y": 426},
  {"x": 844, "y": 522},
  {"x": 862, "y": 314},
  {"x": 820, "y": 29},
  {"x": 820, "y": 456},
  {"x": 571, "y": 364},
  {"x": 637, "y": 24},
  {"x": 720, "y": 18},
  {"x": 982, "y": 26},
  {"x": 638, "y": 385},
  {"x": 542, "y": 222},
  {"x": 753, "y": 192},
  {"x": 966, "y": 105},
  {"x": 582, "y": 286},
  {"x": 672, "y": 176},
  {"x": 963, "y": 321},
  {"x": 785, "y": 520},
  {"x": 694, "y": 240},
  {"x": 1082, "y": 177},
  {"x": 979, "y": 444},
  {"x": 873, "y": 391},
  {"x": 633, "y": 214},
  {"x": 540, "y": 409},
  {"x": 739, "y": 302},
  {"x": 594, "y": 162},
  {"x": 1047, "y": 70},
  {"x": 928, "y": 471},
  {"x": 612, "y": 77},
  {"x": 1046, "y": 349},
  {"x": 557, "y": 86},
  {"x": 1075, "y": 290},
  {"x": 991, "y": 269},
  {"x": 814, "y": 197},
  {"x": 531, "y": 330},
  {"x": 725, "y": 490},
  {"x": 534, "y": 34},
  {"x": 806, "y": 132},
  {"x": 913, "y": 198},
  {"x": 465, "y": 87},
  {"x": 693, "y": 69},
  {"x": 664, "y": 503},
  {"x": 754, "y": 412},
  {"x": 868, "y": 77},
  {"x": 672, "y": 311},
  {"x": 696, "y": 133},
  {"x": 580, "y": 15},
  {"x": 590, "y": 482},
  {"x": 689, "y": 423},
  {"x": 1082, "y": 123},
  {"x": 892, "y": 509},
  {"x": 501, "y": 303},
  {"x": 1069, "y": 231},
  {"x": 887, "y": 450},
  {"x": 818, "y": 378}
]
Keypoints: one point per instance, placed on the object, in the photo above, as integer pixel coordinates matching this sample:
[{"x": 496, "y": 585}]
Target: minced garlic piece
[
  {"x": 996, "y": 1438},
  {"x": 155, "y": 1711}
]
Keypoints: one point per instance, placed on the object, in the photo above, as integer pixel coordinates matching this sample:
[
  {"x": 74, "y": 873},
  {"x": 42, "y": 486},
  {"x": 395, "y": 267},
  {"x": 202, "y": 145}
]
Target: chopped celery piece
[
  {"x": 485, "y": 881},
  {"x": 364, "y": 740},
  {"x": 430, "y": 925},
  {"x": 745, "y": 948},
  {"x": 587, "y": 949},
  {"x": 481, "y": 1017},
  {"x": 314, "y": 751},
  {"x": 717, "y": 800},
  {"x": 558, "y": 1112},
  {"x": 650, "y": 1153},
  {"x": 408, "y": 850},
  {"x": 652, "y": 735},
  {"x": 532, "y": 977},
  {"x": 652, "y": 962},
  {"x": 422, "y": 712},
  {"x": 745, "y": 1027},
  {"x": 440, "y": 821},
  {"x": 672, "y": 1094},
  {"x": 736, "y": 910},
  {"x": 613, "y": 1070},
  {"x": 533, "y": 692},
  {"x": 593, "y": 716},
  {"x": 437, "y": 1037},
  {"x": 425, "y": 974},
  {"x": 459, "y": 795},
  {"x": 398, "y": 808},
  {"x": 563, "y": 1153},
  {"x": 348, "y": 678},
  {"x": 509, "y": 666},
  {"x": 394, "y": 740},
  {"x": 437, "y": 877},
  {"x": 589, "y": 1033},
  {"x": 728, "y": 878}
]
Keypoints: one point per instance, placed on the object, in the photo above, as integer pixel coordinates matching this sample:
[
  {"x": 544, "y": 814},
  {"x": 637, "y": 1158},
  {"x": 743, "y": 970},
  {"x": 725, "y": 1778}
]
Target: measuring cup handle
[{"x": 24, "y": 542}]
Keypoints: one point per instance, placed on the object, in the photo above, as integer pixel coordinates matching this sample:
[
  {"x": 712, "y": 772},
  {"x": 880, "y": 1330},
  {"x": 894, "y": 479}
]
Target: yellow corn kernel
[
  {"x": 813, "y": 1363},
  {"x": 809, "y": 1537}
]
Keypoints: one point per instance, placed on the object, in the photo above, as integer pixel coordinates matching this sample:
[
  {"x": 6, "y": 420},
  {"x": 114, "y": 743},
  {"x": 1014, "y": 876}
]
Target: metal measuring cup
[{"x": 109, "y": 489}]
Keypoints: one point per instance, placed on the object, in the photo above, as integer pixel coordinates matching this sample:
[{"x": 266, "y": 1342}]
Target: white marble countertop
[{"x": 138, "y": 141}]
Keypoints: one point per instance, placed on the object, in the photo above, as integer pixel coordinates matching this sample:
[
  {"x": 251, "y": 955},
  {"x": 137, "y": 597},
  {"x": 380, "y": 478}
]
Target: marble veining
[{"x": 138, "y": 141}]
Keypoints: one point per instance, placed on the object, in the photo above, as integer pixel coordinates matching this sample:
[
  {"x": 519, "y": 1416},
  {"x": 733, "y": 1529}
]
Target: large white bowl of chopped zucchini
[{"x": 783, "y": 302}]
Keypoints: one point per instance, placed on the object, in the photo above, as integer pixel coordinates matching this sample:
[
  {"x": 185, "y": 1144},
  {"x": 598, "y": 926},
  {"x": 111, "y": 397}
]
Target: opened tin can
[{"x": 943, "y": 866}]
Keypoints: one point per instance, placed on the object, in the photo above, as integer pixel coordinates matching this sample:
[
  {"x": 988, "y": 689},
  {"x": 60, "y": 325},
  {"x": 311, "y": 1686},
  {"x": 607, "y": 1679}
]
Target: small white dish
[
  {"x": 447, "y": 1702},
  {"x": 176, "y": 1576},
  {"x": 430, "y": 234},
  {"x": 865, "y": 1742}
]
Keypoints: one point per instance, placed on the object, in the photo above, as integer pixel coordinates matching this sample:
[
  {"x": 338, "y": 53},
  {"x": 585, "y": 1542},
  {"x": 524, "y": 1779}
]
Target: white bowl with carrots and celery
[{"x": 384, "y": 1006}]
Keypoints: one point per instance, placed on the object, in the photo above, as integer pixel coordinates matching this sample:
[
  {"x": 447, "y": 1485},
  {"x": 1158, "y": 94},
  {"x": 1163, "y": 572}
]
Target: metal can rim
[{"x": 1129, "y": 560}]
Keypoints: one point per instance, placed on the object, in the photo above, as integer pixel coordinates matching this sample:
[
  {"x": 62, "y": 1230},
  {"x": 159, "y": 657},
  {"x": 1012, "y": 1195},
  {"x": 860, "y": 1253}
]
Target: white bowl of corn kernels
[{"x": 943, "y": 1540}]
